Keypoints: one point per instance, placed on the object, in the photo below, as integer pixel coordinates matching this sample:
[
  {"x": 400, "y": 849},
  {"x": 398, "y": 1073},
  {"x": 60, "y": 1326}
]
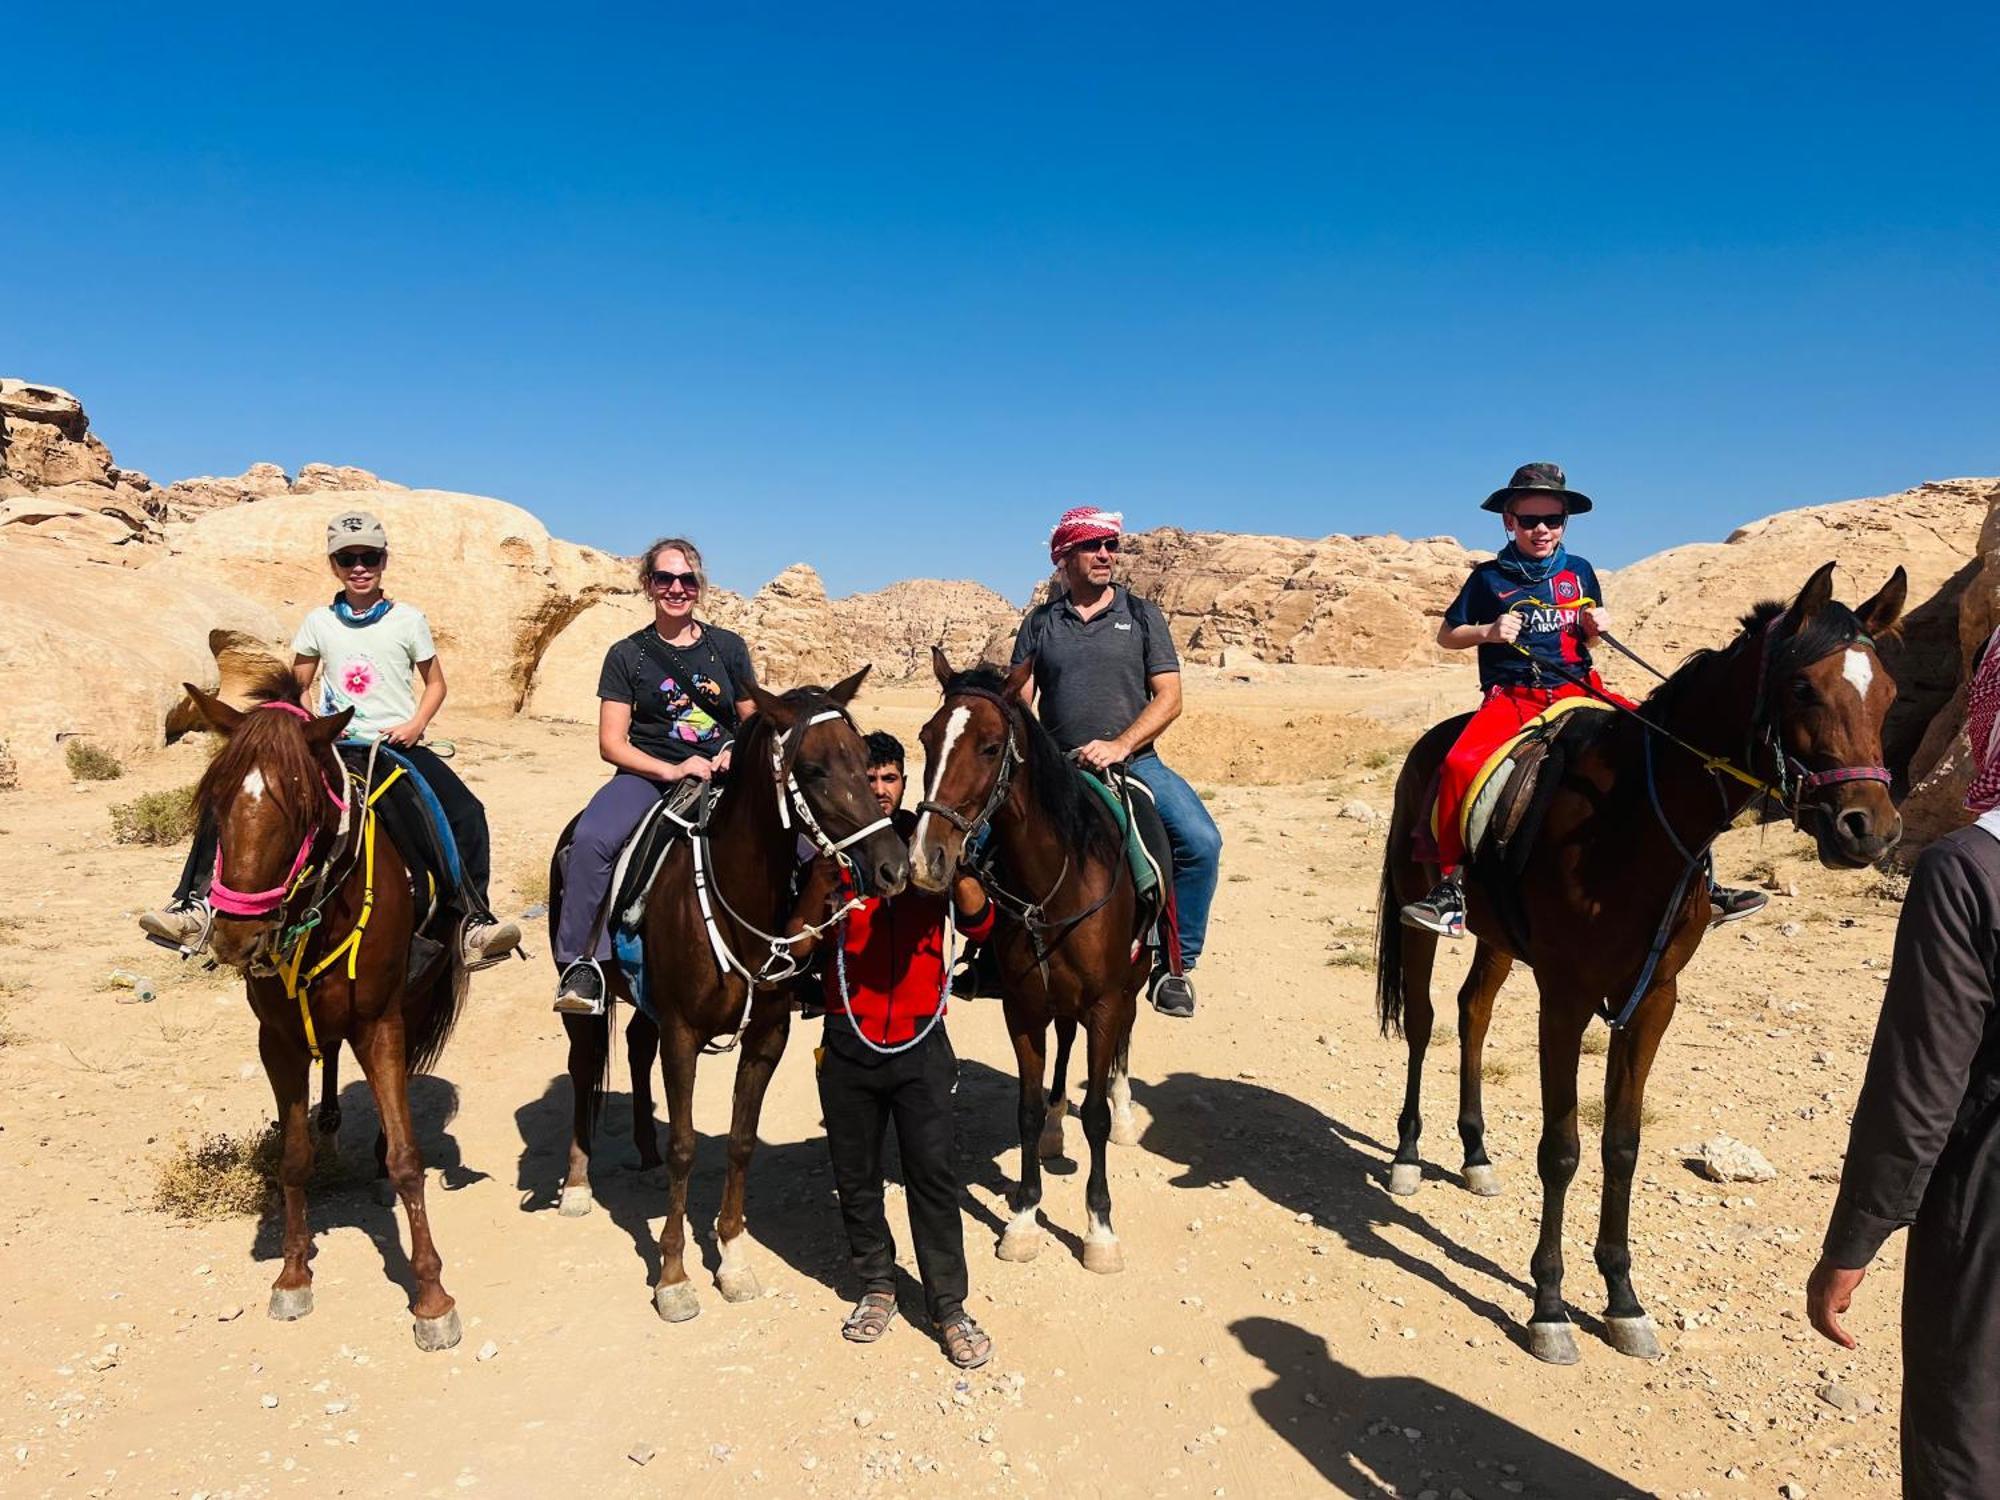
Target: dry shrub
[
  {"x": 1891, "y": 884},
  {"x": 88, "y": 763},
  {"x": 1495, "y": 1069},
  {"x": 10, "y": 774},
  {"x": 228, "y": 1176},
  {"x": 1591, "y": 1112},
  {"x": 164, "y": 817},
  {"x": 1596, "y": 1042},
  {"x": 532, "y": 881}
]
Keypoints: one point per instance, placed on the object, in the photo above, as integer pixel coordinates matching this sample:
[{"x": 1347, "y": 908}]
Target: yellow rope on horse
[{"x": 349, "y": 946}]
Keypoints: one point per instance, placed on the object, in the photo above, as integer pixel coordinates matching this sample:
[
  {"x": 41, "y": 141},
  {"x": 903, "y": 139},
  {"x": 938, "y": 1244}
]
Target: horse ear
[
  {"x": 1886, "y": 608},
  {"x": 843, "y": 692},
  {"x": 326, "y": 731},
  {"x": 1815, "y": 596},
  {"x": 219, "y": 715},
  {"x": 941, "y": 666},
  {"x": 771, "y": 706},
  {"x": 1019, "y": 681}
]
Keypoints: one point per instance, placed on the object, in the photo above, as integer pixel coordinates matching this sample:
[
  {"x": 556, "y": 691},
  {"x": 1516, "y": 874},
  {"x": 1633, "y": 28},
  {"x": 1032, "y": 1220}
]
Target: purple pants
[{"x": 601, "y": 832}]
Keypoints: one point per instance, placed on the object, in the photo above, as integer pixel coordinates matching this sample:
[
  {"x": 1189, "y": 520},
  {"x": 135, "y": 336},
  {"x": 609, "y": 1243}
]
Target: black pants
[
  {"x": 461, "y": 810},
  {"x": 859, "y": 1096}
]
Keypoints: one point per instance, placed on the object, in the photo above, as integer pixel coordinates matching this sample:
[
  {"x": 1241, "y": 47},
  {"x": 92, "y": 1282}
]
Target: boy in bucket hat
[
  {"x": 368, "y": 652},
  {"x": 1532, "y": 613}
]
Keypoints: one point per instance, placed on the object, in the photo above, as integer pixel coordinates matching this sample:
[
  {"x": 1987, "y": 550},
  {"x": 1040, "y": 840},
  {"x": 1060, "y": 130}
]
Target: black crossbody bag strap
[{"x": 723, "y": 710}]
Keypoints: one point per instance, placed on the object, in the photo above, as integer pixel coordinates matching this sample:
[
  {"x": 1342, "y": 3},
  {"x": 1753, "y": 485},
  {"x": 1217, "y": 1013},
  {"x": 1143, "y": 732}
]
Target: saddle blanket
[{"x": 1490, "y": 786}]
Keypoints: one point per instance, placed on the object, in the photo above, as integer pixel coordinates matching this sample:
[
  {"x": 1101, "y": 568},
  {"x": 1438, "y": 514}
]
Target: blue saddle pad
[{"x": 425, "y": 798}]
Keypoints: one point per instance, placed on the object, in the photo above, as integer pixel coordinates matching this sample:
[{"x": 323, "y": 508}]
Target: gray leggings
[{"x": 600, "y": 833}]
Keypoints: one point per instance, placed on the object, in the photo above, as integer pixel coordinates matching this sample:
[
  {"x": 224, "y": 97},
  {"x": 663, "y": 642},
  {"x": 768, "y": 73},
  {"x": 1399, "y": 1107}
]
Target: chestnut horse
[
  {"x": 317, "y": 912},
  {"x": 1068, "y": 950},
  {"x": 1612, "y": 898},
  {"x": 716, "y": 966}
]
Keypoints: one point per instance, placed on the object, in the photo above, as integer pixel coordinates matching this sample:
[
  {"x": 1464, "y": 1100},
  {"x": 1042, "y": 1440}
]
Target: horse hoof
[
  {"x": 1405, "y": 1177},
  {"x": 1124, "y": 1130},
  {"x": 1552, "y": 1343},
  {"x": 676, "y": 1302},
  {"x": 1482, "y": 1181},
  {"x": 1105, "y": 1257},
  {"x": 385, "y": 1192},
  {"x": 1637, "y": 1337},
  {"x": 434, "y": 1335},
  {"x": 653, "y": 1177},
  {"x": 576, "y": 1200},
  {"x": 1020, "y": 1244},
  {"x": 740, "y": 1285},
  {"x": 290, "y": 1303}
]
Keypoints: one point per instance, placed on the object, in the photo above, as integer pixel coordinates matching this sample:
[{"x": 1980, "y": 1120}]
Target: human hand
[
  {"x": 1097, "y": 754},
  {"x": 700, "y": 767},
  {"x": 967, "y": 894},
  {"x": 1594, "y": 622},
  {"x": 722, "y": 761},
  {"x": 1829, "y": 1293},
  {"x": 404, "y": 734},
  {"x": 1505, "y": 630}
]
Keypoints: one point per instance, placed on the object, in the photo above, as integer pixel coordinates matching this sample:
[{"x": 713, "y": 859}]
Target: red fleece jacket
[{"x": 895, "y": 963}]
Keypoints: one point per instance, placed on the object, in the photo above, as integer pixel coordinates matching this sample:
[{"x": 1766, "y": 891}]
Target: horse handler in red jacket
[{"x": 885, "y": 1055}]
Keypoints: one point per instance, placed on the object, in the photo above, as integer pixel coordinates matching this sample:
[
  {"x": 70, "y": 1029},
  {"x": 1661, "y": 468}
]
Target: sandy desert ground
[{"x": 1284, "y": 1326}]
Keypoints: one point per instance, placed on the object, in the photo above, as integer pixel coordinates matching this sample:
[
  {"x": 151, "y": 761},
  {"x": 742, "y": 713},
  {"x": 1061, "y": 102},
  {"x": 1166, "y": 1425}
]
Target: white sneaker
[{"x": 184, "y": 925}]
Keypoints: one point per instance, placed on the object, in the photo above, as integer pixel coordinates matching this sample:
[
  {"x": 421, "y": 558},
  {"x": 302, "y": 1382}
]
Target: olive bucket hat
[{"x": 1538, "y": 479}]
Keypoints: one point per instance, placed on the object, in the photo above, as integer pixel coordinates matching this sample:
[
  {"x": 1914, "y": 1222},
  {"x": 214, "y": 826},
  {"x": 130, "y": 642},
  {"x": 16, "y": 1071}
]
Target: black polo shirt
[{"x": 1091, "y": 674}]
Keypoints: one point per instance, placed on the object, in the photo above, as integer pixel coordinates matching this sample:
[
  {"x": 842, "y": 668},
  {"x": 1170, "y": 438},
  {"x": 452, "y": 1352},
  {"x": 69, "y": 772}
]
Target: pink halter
[{"x": 234, "y": 903}]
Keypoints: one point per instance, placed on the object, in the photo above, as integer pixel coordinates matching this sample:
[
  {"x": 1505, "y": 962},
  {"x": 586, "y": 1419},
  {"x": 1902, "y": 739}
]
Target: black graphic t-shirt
[{"x": 672, "y": 719}]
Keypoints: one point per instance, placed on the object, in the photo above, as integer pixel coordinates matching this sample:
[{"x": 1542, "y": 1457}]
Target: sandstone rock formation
[
  {"x": 496, "y": 587},
  {"x": 1338, "y": 601},
  {"x": 187, "y": 499},
  {"x": 49, "y": 453}
]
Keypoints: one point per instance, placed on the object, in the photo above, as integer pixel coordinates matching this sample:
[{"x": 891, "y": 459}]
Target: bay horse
[
  {"x": 715, "y": 965},
  {"x": 1070, "y": 951},
  {"x": 317, "y": 912},
  {"x": 1614, "y": 902}
]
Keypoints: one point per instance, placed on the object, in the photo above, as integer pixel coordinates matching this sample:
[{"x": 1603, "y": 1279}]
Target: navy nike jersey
[{"x": 1548, "y": 614}]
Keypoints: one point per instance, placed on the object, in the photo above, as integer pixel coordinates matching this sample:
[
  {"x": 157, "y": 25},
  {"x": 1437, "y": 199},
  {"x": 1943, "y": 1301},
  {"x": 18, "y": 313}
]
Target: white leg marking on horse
[
  {"x": 1854, "y": 667},
  {"x": 1099, "y": 1231},
  {"x": 1023, "y": 1221},
  {"x": 953, "y": 728},
  {"x": 253, "y": 784}
]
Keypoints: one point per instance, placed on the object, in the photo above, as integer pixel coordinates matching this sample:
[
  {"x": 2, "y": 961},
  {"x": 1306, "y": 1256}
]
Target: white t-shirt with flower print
[{"x": 373, "y": 667}]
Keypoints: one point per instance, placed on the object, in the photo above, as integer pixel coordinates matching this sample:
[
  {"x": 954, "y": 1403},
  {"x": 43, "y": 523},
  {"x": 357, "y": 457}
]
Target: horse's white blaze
[
  {"x": 953, "y": 728},
  {"x": 253, "y": 784},
  {"x": 1856, "y": 669}
]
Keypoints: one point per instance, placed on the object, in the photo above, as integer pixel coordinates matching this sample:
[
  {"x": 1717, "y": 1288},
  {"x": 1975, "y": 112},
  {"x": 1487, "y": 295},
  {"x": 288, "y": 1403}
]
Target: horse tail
[
  {"x": 1388, "y": 946},
  {"x": 427, "y": 1025}
]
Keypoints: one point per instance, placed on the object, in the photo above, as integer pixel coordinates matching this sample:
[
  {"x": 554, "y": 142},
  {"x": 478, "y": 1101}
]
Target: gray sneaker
[
  {"x": 580, "y": 992},
  {"x": 183, "y": 926},
  {"x": 1173, "y": 995},
  {"x": 486, "y": 940}
]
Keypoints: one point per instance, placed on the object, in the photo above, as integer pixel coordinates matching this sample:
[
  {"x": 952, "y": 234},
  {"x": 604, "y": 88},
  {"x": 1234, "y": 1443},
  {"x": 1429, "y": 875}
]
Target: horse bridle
[
  {"x": 1010, "y": 757},
  {"x": 250, "y": 904},
  {"x": 1794, "y": 782}
]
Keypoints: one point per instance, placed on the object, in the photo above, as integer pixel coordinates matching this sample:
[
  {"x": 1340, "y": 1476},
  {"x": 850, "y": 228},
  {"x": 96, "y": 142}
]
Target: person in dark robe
[{"x": 1925, "y": 1146}]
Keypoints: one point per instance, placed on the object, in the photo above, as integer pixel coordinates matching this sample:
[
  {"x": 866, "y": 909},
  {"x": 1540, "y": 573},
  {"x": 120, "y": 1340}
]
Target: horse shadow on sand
[
  {"x": 1224, "y": 1130},
  {"x": 352, "y": 1199},
  {"x": 1383, "y": 1436}
]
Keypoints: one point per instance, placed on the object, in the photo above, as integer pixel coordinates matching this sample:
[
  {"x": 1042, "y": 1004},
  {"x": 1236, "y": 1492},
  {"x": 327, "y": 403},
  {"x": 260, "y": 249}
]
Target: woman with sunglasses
[
  {"x": 671, "y": 698},
  {"x": 1532, "y": 613},
  {"x": 369, "y": 652}
]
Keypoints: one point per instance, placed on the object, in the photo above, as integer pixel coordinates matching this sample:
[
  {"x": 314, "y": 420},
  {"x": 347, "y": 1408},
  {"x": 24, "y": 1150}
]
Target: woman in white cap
[{"x": 368, "y": 652}]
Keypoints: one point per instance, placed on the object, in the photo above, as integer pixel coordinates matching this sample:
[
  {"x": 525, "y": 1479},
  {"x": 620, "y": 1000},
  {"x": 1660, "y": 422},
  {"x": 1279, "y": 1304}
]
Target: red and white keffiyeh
[
  {"x": 1083, "y": 523},
  {"x": 1982, "y": 728}
]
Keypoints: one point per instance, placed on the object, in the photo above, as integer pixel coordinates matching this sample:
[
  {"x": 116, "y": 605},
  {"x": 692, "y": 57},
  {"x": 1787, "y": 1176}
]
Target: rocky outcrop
[
  {"x": 496, "y": 587},
  {"x": 1344, "y": 601},
  {"x": 49, "y": 456},
  {"x": 187, "y": 499}
]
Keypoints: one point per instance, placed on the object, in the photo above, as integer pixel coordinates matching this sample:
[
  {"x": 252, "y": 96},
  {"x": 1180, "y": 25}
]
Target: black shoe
[
  {"x": 580, "y": 992},
  {"x": 1442, "y": 911},
  {"x": 1731, "y": 904},
  {"x": 1173, "y": 995}
]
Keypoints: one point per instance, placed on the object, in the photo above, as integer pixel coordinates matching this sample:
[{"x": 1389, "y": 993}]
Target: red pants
[{"x": 1503, "y": 714}]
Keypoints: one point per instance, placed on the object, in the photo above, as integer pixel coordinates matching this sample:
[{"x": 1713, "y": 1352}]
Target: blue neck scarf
[
  {"x": 347, "y": 615},
  {"x": 1529, "y": 571}
]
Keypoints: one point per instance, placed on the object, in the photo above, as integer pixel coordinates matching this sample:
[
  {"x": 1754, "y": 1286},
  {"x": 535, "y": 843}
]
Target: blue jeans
[{"x": 1197, "y": 848}]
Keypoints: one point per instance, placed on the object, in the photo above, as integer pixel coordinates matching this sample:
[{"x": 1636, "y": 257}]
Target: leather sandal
[
  {"x": 965, "y": 1342},
  {"x": 870, "y": 1318}
]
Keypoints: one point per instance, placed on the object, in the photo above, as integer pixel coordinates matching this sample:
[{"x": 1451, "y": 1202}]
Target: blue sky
[{"x": 884, "y": 288}]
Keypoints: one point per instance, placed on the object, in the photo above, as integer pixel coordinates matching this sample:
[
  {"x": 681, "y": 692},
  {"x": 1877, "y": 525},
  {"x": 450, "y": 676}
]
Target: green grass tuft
[
  {"x": 88, "y": 763},
  {"x": 155, "y": 817}
]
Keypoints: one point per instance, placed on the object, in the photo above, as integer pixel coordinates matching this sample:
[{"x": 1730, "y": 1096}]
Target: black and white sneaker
[
  {"x": 1173, "y": 995},
  {"x": 1442, "y": 911},
  {"x": 1732, "y": 904},
  {"x": 580, "y": 991}
]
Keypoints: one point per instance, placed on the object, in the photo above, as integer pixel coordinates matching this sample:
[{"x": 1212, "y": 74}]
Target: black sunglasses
[
  {"x": 1101, "y": 544},
  {"x": 364, "y": 557},
  {"x": 688, "y": 581},
  {"x": 1554, "y": 520}
]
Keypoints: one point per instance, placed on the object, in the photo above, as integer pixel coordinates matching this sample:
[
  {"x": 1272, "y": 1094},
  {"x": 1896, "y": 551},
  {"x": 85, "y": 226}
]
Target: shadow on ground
[{"x": 1356, "y": 1431}]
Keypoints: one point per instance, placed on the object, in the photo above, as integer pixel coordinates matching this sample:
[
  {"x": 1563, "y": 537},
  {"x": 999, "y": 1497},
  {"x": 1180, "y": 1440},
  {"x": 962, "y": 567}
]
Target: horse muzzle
[{"x": 1856, "y": 835}]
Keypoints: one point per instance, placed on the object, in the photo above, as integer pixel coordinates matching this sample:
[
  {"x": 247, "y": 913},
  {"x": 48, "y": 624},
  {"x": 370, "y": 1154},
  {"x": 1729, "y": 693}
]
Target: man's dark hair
[{"x": 884, "y": 749}]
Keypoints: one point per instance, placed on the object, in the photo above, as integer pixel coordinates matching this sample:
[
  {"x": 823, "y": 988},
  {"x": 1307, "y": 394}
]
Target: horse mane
[
  {"x": 1060, "y": 796},
  {"x": 1829, "y": 629},
  {"x": 271, "y": 742}
]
